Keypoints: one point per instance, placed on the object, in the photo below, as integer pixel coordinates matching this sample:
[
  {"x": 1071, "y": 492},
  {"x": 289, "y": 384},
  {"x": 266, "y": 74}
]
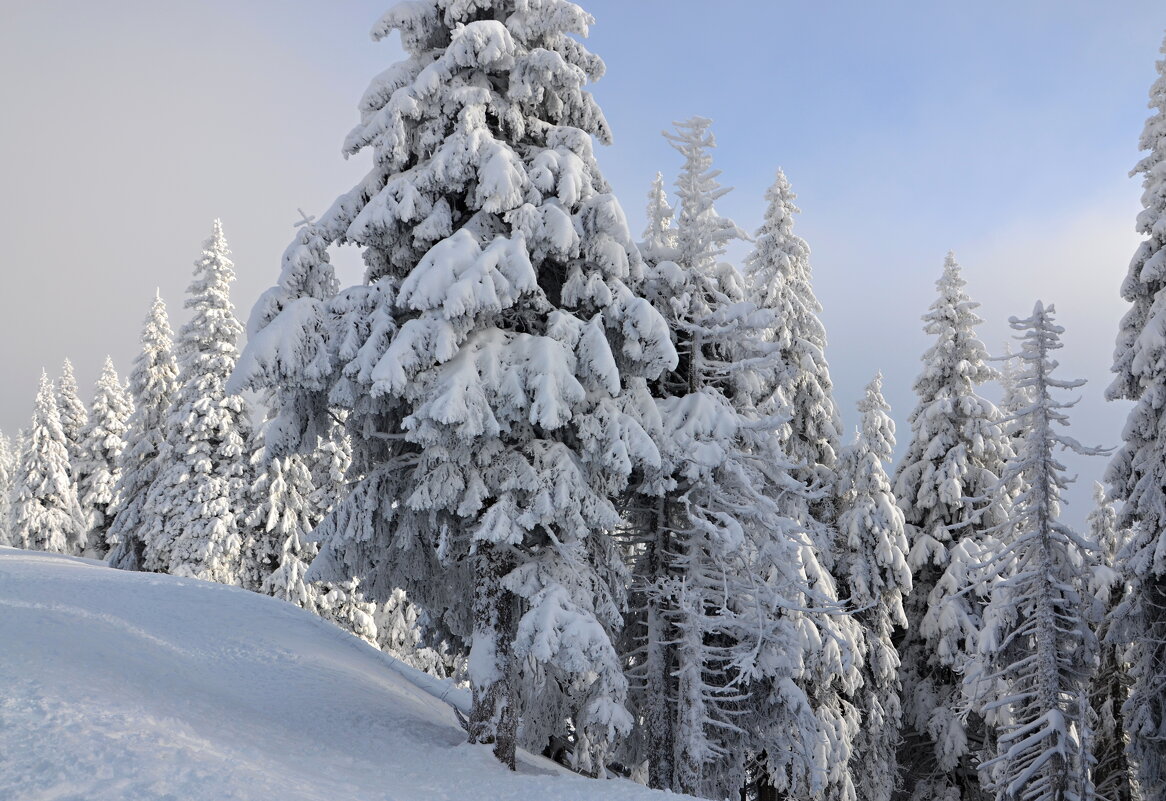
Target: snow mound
[{"x": 119, "y": 685}]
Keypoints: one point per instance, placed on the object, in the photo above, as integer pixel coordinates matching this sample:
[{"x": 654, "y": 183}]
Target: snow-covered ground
[{"x": 128, "y": 686}]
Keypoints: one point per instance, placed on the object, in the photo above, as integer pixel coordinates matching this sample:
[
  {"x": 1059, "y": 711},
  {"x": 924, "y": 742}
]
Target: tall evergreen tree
[
  {"x": 1137, "y": 473},
  {"x": 1113, "y": 775},
  {"x": 726, "y": 643},
  {"x": 780, "y": 277},
  {"x": 45, "y": 513},
  {"x": 103, "y": 440},
  {"x": 1038, "y": 637},
  {"x": 152, "y": 384},
  {"x": 7, "y": 471},
  {"x": 194, "y": 506},
  {"x": 660, "y": 234},
  {"x": 873, "y": 573},
  {"x": 488, "y": 363},
  {"x": 74, "y": 416},
  {"x": 277, "y": 553},
  {"x": 796, "y": 385},
  {"x": 947, "y": 486}
]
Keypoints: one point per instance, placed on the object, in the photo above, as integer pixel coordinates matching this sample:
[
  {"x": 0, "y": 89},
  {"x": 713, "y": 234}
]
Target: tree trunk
[
  {"x": 659, "y": 663},
  {"x": 494, "y": 715}
]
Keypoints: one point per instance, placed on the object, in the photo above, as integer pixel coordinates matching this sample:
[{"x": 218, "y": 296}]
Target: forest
[{"x": 601, "y": 479}]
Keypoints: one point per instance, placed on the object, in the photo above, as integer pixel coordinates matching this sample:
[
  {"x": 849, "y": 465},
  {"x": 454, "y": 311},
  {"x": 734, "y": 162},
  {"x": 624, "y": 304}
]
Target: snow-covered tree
[
  {"x": 1137, "y": 473},
  {"x": 343, "y": 603},
  {"x": 399, "y": 633},
  {"x": 73, "y": 416},
  {"x": 1013, "y": 398},
  {"x": 730, "y": 635},
  {"x": 7, "y": 471},
  {"x": 277, "y": 552},
  {"x": 795, "y": 384},
  {"x": 947, "y": 486},
  {"x": 1037, "y": 637},
  {"x": 330, "y": 465},
  {"x": 98, "y": 468},
  {"x": 873, "y": 571},
  {"x": 45, "y": 513},
  {"x": 1113, "y": 776},
  {"x": 660, "y": 234},
  {"x": 194, "y": 507},
  {"x": 488, "y": 364},
  {"x": 153, "y": 381},
  {"x": 799, "y": 386}
]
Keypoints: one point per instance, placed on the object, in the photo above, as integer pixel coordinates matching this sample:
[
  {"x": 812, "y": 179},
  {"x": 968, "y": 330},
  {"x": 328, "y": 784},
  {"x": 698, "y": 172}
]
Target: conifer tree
[
  {"x": 660, "y": 234},
  {"x": 194, "y": 505},
  {"x": 1037, "y": 637},
  {"x": 800, "y": 387},
  {"x": 277, "y": 552},
  {"x": 103, "y": 439},
  {"x": 946, "y": 485},
  {"x": 1137, "y": 473},
  {"x": 343, "y": 603},
  {"x": 152, "y": 384},
  {"x": 873, "y": 573},
  {"x": 796, "y": 385},
  {"x": 1014, "y": 398},
  {"x": 7, "y": 470},
  {"x": 45, "y": 513},
  {"x": 718, "y": 681},
  {"x": 1113, "y": 776},
  {"x": 73, "y": 416},
  {"x": 488, "y": 363}
]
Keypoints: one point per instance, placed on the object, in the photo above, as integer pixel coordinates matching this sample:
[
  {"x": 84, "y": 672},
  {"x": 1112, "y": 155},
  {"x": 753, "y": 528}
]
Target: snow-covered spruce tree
[
  {"x": 797, "y": 385},
  {"x": 7, "y": 471},
  {"x": 1013, "y": 398},
  {"x": 194, "y": 507},
  {"x": 103, "y": 440},
  {"x": 873, "y": 572},
  {"x": 947, "y": 486},
  {"x": 488, "y": 363},
  {"x": 1137, "y": 474},
  {"x": 725, "y": 584},
  {"x": 45, "y": 513},
  {"x": 73, "y": 415},
  {"x": 660, "y": 233},
  {"x": 153, "y": 381},
  {"x": 330, "y": 465},
  {"x": 277, "y": 552},
  {"x": 1037, "y": 636},
  {"x": 1113, "y": 776},
  {"x": 800, "y": 387}
]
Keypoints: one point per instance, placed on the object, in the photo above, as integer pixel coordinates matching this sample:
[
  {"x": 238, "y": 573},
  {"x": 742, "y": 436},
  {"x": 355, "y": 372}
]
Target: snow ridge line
[{"x": 111, "y": 620}]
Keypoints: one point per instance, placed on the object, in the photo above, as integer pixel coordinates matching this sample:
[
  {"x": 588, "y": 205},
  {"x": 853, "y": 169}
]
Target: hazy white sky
[{"x": 1004, "y": 131}]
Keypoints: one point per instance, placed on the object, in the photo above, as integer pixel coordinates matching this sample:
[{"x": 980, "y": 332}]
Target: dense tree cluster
[{"x": 602, "y": 483}]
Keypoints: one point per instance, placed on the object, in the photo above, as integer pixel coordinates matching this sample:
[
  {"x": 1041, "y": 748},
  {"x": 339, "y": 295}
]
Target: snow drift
[{"x": 120, "y": 685}]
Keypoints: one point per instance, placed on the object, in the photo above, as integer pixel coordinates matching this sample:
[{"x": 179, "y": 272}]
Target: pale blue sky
[{"x": 1004, "y": 131}]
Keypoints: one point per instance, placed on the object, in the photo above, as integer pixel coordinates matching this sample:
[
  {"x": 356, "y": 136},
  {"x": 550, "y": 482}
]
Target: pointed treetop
[
  {"x": 878, "y": 429},
  {"x": 73, "y": 413},
  {"x": 660, "y": 233},
  {"x": 779, "y": 265},
  {"x": 46, "y": 515},
  {"x": 958, "y": 359},
  {"x": 210, "y": 297},
  {"x": 702, "y": 233}
]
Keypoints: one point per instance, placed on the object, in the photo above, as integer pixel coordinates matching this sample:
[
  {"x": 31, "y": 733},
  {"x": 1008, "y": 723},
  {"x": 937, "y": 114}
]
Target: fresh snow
[{"x": 123, "y": 685}]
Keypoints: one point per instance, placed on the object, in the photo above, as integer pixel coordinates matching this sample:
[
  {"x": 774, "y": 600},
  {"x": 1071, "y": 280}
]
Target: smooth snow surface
[{"x": 121, "y": 685}]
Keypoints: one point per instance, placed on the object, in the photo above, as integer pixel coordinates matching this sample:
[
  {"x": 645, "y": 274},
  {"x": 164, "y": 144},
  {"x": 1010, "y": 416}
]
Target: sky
[{"x": 1002, "y": 131}]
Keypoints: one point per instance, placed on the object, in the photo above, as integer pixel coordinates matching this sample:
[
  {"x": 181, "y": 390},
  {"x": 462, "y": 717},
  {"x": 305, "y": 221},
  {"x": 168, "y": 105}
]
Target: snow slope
[{"x": 118, "y": 685}]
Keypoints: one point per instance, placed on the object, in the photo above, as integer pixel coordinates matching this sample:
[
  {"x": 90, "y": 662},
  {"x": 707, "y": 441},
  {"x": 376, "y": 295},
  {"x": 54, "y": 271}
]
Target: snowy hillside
[{"x": 118, "y": 685}]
